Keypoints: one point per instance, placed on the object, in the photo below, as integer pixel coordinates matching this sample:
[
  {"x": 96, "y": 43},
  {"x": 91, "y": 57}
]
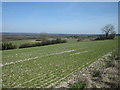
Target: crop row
[
  {"x": 48, "y": 72},
  {"x": 51, "y": 78},
  {"x": 61, "y": 67}
]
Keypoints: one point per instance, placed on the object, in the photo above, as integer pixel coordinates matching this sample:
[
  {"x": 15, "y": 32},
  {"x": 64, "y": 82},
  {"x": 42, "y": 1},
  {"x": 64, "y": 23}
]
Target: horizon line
[{"x": 51, "y": 33}]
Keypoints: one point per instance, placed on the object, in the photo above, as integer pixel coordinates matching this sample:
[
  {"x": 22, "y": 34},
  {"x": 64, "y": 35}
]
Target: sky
[{"x": 59, "y": 17}]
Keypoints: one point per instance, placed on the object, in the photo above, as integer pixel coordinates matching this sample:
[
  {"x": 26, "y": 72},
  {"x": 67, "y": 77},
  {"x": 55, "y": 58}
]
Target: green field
[{"x": 48, "y": 66}]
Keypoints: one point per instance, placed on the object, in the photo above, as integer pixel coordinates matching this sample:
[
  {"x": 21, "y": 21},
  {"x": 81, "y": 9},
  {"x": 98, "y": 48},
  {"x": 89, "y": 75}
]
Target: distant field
[
  {"x": 19, "y": 42},
  {"x": 48, "y": 66}
]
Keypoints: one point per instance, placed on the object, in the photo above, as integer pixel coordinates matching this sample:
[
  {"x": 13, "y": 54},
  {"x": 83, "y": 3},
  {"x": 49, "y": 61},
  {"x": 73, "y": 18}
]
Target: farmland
[{"x": 48, "y": 66}]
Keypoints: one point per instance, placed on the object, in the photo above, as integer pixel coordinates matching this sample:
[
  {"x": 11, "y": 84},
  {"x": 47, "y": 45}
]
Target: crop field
[{"x": 48, "y": 66}]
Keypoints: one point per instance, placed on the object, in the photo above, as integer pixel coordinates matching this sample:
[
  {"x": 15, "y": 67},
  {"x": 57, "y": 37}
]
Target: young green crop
[{"x": 38, "y": 66}]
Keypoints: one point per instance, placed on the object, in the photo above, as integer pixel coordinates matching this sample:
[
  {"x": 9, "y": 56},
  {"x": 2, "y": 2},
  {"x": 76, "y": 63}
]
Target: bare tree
[
  {"x": 108, "y": 29},
  {"x": 43, "y": 36}
]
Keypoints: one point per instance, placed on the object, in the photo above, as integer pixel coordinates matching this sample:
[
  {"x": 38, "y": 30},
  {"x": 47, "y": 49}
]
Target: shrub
[
  {"x": 47, "y": 42},
  {"x": 109, "y": 64},
  {"x": 6, "y": 46},
  {"x": 53, "y": 42},
  {"x": 58, "y": 40},
  {"x": 37, "y": 40},
  {"x": 115, "y": 55},
  {"x": 111, "y": 36},
  {"x": 37, "y": 44},
  {"x": 79, "y": 85},
  {"x": 64, "y": 41},
  {"x": 24, "y": 45},
  {"x": 79, "y": 40},
  {"x": 102, "y": 37},
  {"x": 96, "y": 74}
]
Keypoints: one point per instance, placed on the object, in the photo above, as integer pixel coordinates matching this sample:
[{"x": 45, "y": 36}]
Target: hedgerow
[
  {"x": 6, "y": 46},
  {"x": 43, "y": 43}
]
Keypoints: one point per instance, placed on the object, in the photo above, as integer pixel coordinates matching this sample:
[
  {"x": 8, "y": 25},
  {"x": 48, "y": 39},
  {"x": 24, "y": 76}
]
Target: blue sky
[{"x": 59, "y": 17}]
